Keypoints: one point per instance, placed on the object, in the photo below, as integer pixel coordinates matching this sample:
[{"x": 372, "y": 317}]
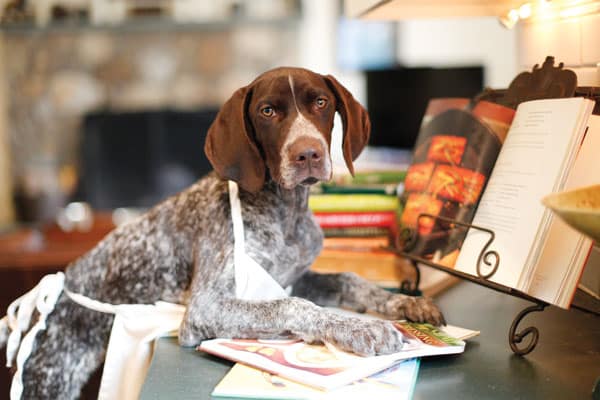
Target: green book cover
[
  {"x": 374, "y": 177},
  {"x": 386, "y": 189},
  {"x": 352, "y": 202}
]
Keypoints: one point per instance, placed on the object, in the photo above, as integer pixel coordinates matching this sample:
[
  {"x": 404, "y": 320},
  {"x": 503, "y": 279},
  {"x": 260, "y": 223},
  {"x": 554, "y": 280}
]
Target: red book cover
[{"x": 356, "y": 219}]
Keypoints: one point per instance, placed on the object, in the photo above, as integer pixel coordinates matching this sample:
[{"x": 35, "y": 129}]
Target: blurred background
[{"x": 104, "y": 104}]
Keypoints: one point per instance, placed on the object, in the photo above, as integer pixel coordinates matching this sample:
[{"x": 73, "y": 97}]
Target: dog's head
[{"x": 280, "y": 125}]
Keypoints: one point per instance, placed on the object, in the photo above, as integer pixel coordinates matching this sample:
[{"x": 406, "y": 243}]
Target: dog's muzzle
[{"x": 309, "y": 160}]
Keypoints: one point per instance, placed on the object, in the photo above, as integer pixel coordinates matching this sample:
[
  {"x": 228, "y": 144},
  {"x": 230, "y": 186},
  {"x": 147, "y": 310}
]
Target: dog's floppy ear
[
  {"x": 355, "y": 120},
  {"x": 230, "y": 147}
]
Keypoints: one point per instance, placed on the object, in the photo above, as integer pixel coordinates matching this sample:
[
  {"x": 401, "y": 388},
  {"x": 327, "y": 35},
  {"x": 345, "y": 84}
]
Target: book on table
[
  {"x": 396, "y": 381},
  {"x": 326, "y": 367},
  {"x": 551, "y": 146},
  {"x": 383, "y": 268}
]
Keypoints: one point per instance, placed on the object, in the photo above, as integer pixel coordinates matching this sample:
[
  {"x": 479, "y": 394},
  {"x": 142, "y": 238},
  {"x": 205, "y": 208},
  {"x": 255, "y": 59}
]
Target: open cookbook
[{"x": 491, "y": 166}]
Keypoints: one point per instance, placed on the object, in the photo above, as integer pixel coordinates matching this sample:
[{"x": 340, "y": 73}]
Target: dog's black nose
[
  {"x": 306, "y": 153},
  {"x": 308, "y": 156}
]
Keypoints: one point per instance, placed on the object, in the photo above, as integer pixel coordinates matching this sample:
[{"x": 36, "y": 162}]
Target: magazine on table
[
  {"x": 326, "y": 367},
  {"x": 395, "y": 383}
]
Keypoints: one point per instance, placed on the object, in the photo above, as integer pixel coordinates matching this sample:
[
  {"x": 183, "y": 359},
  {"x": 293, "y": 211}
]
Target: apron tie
[
  {"x": 131, "y": 342},
  {"x": 43, "y": 297}
]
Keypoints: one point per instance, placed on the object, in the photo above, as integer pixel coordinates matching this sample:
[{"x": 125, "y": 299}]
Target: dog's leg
[
  {"x": 67, "y": 353},
  {"x": 351, "y": 291},
  {"x": 207, "y": 317}
]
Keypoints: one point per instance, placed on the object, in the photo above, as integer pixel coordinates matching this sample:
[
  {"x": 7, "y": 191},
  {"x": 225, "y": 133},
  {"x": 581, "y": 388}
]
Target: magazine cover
[
  {"x": 394, "y": 383},
  {"x": 455, "y": 152},
  {"x": 324, "y": 366}
]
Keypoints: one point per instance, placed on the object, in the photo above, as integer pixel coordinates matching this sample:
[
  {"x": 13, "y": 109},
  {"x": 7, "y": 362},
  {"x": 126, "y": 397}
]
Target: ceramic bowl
[{"x": 580, "y": 208}]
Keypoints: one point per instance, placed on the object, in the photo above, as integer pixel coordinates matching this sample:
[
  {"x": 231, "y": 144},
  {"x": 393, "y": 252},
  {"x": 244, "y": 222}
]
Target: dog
[{"x": 273, "y": 139}]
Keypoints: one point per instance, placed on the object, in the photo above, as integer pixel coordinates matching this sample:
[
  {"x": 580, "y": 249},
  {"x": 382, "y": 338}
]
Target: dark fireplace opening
[{"x": 137, "y": 159}]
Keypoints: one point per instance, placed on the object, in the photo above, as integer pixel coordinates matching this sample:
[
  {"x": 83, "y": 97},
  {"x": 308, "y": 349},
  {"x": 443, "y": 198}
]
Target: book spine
[
  {"x": 365, "y": 231},
  {"x": 383, "y": 268},
  {"x": 356, "y": 219},
  {"x": 390, "y": 189},
  {"x": 352, "y": 202},
  {"x": 356, "y": 243},
  {"x": 375, "y": 177}
]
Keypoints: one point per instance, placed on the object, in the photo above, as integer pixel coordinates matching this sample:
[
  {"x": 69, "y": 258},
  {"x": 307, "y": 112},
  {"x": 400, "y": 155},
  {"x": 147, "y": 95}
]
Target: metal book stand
[{"x": 488, "y": 263}]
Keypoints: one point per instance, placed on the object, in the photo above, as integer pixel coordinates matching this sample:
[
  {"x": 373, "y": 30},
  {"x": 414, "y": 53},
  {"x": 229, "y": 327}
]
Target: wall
[
  {"x": 460, "y": 42},
  {"x": 573, "y": 41}
]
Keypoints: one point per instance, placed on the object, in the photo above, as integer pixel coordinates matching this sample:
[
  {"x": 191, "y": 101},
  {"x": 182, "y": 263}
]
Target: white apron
[{"x": 135, "y": 326}]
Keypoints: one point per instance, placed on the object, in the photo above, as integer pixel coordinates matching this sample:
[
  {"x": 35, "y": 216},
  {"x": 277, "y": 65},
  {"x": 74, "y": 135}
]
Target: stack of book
[
  {"x": 289, "y": 369},
  {"x": 359, "y": 217}
]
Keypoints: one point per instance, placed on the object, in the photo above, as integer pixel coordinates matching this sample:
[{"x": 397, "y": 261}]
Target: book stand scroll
[{"x": 488, "y": 263}]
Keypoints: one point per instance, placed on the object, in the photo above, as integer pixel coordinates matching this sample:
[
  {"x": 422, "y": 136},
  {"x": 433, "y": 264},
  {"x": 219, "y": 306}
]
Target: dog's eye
[
  {"x": 321, "y": 102},
  {"x": 267, "y": 111}
]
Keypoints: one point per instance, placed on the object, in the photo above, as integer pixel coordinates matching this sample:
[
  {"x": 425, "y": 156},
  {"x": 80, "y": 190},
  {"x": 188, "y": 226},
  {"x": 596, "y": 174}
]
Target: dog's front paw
[
  {"x": 365, "y": 338},
  {"x": 415, "y": 309}
]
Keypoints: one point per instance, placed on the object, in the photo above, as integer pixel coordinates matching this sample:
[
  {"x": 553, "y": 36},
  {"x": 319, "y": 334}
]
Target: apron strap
[
  {"x": 252, "y": 281},
  {"x": 92, "y": 304},
  {"x": 239, "y": 242}
]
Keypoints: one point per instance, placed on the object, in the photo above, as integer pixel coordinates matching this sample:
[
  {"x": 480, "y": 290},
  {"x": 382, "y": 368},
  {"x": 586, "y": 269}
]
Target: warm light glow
[
  {"x": 549, "y": 10},
  {"x": 510, "y": 19},
  {"x": 576, "y": 11},
  {"x": 544, "y": 10},
  {"x": 525, "y": 11},
  {"x": 544, "y": 4}
]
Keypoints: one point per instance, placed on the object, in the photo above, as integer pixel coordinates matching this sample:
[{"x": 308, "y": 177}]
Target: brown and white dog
[{"x": 272, "y": 138}]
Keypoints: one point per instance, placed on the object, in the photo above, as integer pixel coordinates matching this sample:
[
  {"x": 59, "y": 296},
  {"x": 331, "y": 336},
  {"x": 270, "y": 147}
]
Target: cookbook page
[
  {"x": 531, "y": 161},
  {"x": 565, "y": 250}
]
